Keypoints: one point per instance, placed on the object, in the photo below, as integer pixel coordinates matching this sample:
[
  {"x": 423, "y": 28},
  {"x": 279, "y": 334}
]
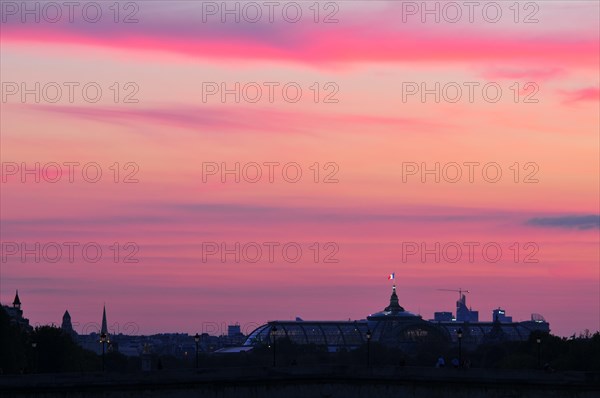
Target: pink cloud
[
  {"x": 588, "y": 94},
  {"x": 534, "y": 74},
  {"x": 374, "y": 39},
  {"x": 238, "y": 120}
]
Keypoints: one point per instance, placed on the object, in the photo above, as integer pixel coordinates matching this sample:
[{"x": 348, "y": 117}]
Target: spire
[
  {"x": 66, "y": 325},
  {"x": 17, "y": 301},
  {"x": 104, "y": 327},
  {"x": 394, "y": 304}
]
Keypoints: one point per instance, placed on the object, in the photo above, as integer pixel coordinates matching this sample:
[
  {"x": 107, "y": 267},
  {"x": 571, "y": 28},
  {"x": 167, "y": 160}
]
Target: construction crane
[{"x": 459, "y": 290}]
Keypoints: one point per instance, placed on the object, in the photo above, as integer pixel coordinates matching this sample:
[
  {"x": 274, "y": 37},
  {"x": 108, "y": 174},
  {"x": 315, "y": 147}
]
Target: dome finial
[{"x": 394, "y": 304}]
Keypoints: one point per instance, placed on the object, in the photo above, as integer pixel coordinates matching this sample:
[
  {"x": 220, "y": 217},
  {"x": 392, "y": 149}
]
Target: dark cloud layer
[{"x": 577, "y": 222}]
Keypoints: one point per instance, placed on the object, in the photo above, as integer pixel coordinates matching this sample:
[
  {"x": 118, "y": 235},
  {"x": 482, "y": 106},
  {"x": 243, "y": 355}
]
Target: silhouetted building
[
  {"x": 234, "y": 336},
  {"x": 15, "y": 313},
  {"x": 443, "y": 316},
  {"x": 233, "y": 330},
  {"x": 463, "y": 313},
  {"x": 396, "y": 327},
  {"x": 67, "y": 326},
  {"x": 500, "y": 315}
]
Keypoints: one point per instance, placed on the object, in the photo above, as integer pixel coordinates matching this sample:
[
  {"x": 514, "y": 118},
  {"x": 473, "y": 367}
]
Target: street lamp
[
  {"x": 273, "y": 330},
  {"x": 539, "y": 350},
  {"x": 369, "y": 335},
  {"x": 459, "y": 334},
  {"x": 197, "y": 340},
  {"x": 103, "y": 340}
]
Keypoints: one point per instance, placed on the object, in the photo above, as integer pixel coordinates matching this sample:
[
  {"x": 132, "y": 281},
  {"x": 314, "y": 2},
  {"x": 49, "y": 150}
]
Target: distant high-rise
[
  {"x": 500, "y": 316},
  {"x": 233, "y": 330},
  {"x": 463, "y": 313}
]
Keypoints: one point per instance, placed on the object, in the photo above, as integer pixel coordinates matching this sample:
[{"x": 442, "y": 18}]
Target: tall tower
[
  {"x": 104, "y": 324},
  {"x": 16, "y": 313},
  {"x": 17, "y": 301},
  {"x": 464, "y": 313},
  {"x": 66, "y": 325}
]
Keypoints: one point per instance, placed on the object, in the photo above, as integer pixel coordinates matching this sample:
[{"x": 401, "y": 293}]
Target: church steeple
[
  {"x": 394, "y": 304},
  {"x": 17, "y": 301},
  {"x": 104, "y": 329}
]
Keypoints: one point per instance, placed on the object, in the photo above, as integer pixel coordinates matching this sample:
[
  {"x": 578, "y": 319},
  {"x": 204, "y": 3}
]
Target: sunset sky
[{"x": 366, "y": 131}]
